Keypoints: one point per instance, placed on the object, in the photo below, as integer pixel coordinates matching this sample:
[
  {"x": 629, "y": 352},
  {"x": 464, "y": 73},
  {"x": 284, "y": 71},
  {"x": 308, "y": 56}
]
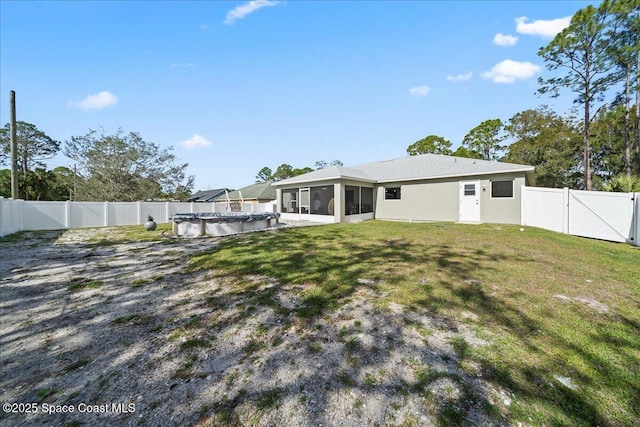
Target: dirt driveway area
[{"x": 122, "y": 334}]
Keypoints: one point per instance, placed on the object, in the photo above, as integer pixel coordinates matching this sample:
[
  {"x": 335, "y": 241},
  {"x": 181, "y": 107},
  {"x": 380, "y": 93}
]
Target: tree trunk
[
  {"x": 587, "y": 171},
  {"x": 636, "y": 125},
  {"x": 627, "y": 135}
]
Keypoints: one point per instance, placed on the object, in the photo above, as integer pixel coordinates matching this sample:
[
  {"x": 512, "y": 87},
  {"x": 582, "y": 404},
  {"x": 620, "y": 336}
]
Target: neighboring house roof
[
  {"x": 257, "y": 191},
  {"x": 411, "y": 168},
  {"x": 207, "y": 195}
]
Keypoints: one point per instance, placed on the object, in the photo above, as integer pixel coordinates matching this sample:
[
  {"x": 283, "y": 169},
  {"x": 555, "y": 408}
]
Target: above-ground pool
[{"x": 221, "y": 224}]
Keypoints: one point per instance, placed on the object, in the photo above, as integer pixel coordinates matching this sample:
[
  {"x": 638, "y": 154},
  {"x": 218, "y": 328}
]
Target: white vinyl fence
[
  {"x": 18, "y": 215},
  {"x": 596, "y": 214}
]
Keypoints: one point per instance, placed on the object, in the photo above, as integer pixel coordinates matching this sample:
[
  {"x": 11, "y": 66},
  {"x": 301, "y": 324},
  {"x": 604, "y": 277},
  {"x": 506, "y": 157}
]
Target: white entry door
[{"x": 469, "y": 201}]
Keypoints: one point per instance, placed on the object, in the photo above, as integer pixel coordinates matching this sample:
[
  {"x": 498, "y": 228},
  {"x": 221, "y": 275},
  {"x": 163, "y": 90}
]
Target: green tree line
[
  {"x": 109, "y": 167},
  {"x": 596, "y": 59}
]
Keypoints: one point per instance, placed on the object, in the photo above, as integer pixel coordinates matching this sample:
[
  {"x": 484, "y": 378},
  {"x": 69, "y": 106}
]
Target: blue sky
[{"x": 235, "y": 86}]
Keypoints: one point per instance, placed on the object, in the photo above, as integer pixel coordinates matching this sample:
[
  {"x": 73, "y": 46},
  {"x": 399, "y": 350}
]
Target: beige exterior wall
[
  {"x": 427, "y": 200},
  {"x": 439, "y": 200},
  {"x": 435, "y": 200},
  {"x": 501, "y": 210}
]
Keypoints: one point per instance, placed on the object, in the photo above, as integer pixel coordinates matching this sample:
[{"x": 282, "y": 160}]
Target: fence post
[
  {"x": 192, "y": 206},
  {"x": 2, "y": 216},
  {"x": 21, "y": 213},
  {"x": 67, "y": 214},
  {"x": 166, "y": 211},
  {"x": 636, "y": 219},
  {"x": 565, "y": 210},
  {"x": 139, "y": 212},
  {"x": 106, "y": 214},
  {"x": 523, "y": 205}
]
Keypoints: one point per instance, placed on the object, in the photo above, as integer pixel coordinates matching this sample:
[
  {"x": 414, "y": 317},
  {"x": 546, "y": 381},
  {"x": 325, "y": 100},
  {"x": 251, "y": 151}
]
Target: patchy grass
[
  {"x": 269, "y": 398},
  {"x": 14, "y": 237},
  {"x": 110, "y": 236},
  {"x": 529, "y": 290},
  {"x": 76, "y": 365},
  {"x": 44, "y": 393},
  {"x": 80, "y": 283}
]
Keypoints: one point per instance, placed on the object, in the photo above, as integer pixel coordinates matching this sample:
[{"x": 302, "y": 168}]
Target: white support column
[
  {"x": 140, "y": 213},
  {"x": 192, "y": 207},
  {"x": 338, "y": 202},
  {"x": 166, "y": 212},
  {"x": 106, "y": 214},
  {"x": 565, "y": 210}
]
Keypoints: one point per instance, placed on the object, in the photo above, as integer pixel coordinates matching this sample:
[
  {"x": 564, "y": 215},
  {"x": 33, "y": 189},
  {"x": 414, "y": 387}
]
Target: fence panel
[
  {"x": 38, "y": 215},
  {"x": 221, "y": 207},
  {"x": 175, "y": 208},
  {"x": 601, "y": 215},
  {"x": 544, "y": 208},
  {"x": 203, "y": 207},
  {"x": 158, "y": 210},
  {"x": 122, "y": 213},
  {"x": 10, "y": 216},
  {"x": 16, "y": 215},
  {"x": 86, "y": 214}
]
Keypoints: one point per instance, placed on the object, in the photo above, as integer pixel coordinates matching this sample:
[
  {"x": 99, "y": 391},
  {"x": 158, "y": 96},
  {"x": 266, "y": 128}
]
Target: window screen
[
  {"x": 502, "y": 189},
  {"x": 290, "y": 200},
  {"x": 366, "y": 202},
  {"x": 469, "y": 189},
  {"x": 321, "y": 199}
]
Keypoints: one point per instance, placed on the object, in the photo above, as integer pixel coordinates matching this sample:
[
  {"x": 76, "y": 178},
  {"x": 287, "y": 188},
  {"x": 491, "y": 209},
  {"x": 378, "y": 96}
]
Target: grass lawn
[{"x": 553, "y": 308}]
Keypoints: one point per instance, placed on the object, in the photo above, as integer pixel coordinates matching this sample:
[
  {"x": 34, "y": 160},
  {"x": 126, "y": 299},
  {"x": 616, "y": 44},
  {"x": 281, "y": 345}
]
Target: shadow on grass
[{"x": 321, "y": 270}]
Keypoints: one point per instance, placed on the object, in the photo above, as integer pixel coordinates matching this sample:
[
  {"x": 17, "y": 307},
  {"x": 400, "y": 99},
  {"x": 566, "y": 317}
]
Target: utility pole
[{"x": 14, "y": 147}]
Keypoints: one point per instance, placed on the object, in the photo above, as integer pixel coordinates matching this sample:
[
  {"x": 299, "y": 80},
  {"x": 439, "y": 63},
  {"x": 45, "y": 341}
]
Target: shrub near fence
[
  {"x": 18, "y": 215},
  {"x": 595, "y": 214}
]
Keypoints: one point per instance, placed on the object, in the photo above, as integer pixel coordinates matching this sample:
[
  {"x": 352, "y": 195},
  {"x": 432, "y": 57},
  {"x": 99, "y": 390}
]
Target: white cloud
[
  {"x": 420, "y": 91},
  {"x": 505, "y": 40},
  {"x": 183, "y": 64},
  {"x": 509, "y": 71},
  {"x": 204, "y": 27},
  {"x": 246, "y": 9},
  {"x": 95, "y": 102},
  {"x": 196, "y": 141},
  {"x": 542, "y": 28},
  {"x": 460, "y": 77}
]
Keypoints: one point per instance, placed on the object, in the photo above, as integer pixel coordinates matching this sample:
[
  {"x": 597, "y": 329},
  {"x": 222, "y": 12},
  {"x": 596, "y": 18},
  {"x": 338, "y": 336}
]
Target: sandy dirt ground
[{"x": 123, "y": 335}]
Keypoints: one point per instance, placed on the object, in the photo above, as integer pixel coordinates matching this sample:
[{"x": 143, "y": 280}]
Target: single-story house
[
  {"x": 427, "y": 187},
  {"x": 260, "y": 192},
  {"x": 207, "y": 195}
]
